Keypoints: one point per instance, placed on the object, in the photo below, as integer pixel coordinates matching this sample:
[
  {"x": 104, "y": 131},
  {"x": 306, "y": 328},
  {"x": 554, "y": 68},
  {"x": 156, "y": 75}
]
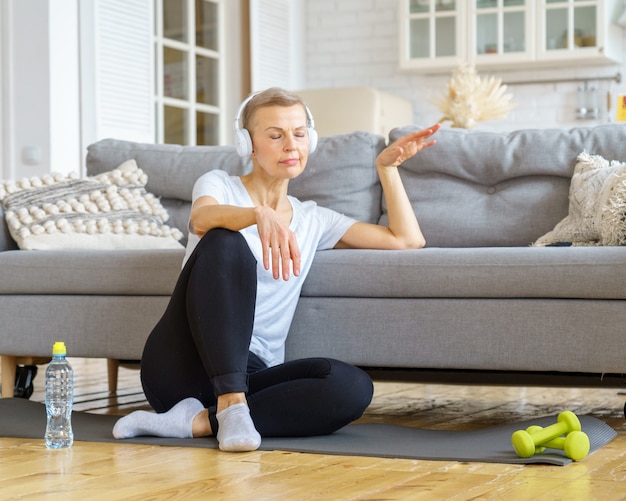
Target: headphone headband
[{"x": 243, "y": 141}]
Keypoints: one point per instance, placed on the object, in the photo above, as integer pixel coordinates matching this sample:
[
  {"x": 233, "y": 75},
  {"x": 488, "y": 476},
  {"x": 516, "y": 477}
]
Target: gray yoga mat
[{"x": 22, "y": 418}]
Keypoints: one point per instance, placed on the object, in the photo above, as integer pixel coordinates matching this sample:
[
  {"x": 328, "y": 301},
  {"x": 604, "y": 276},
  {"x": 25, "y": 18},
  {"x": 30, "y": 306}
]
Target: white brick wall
[{"x": 355, "y": 43}]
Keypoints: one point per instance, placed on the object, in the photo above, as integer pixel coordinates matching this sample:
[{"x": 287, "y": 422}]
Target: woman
[{"x": 214, "y": 364}]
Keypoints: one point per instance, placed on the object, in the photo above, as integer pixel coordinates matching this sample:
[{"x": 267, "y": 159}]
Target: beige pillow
[
  {"x": 110, "y": 211},
  {"x": 592, "y": 189},
  {"x": 611, "y": 215}
]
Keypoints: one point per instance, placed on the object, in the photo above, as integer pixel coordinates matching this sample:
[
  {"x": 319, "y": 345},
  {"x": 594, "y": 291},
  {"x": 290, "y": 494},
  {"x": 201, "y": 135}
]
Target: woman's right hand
[{"x": 279, "y": 244}]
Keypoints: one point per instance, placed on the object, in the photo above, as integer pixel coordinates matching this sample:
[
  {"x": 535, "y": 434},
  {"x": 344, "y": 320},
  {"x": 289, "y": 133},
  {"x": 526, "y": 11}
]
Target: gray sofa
[{"x": 479, "y": 299}]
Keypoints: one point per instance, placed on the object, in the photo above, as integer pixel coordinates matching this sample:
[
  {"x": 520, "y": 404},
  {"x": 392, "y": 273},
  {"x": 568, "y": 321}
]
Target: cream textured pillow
[
  {"x": 109, "y": 211},
  {"x": 611, "y": 215},
  {"x": 592, "y": 188}
]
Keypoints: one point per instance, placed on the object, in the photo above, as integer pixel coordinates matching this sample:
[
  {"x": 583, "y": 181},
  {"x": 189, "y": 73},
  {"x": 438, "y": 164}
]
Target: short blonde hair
[{"x": 274, "y": 96}]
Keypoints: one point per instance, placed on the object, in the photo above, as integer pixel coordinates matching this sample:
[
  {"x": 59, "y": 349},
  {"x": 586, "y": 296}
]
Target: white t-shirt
[{"x": 315, "y": 227}]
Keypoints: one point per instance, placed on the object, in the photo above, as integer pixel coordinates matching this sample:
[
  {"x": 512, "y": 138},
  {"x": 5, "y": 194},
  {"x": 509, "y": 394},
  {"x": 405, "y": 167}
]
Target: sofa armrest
[{"x": 6, "y": 241}]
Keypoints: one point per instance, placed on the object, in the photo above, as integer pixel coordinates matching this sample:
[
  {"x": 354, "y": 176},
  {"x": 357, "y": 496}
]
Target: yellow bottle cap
[{"x": 58, "y": 348}]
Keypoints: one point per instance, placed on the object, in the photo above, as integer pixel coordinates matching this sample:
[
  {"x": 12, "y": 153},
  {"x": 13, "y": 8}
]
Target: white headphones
[{"x": 243, "y": 141}]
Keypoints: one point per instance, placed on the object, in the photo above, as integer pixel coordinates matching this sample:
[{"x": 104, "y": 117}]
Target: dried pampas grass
[{"x": 469, "y": 99}]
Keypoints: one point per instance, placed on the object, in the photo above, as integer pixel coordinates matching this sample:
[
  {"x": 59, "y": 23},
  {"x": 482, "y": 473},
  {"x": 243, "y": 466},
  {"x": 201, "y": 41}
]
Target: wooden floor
[{"x": 96, "y": 471}]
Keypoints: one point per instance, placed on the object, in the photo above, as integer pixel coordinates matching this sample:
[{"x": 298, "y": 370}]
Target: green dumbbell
[
  {"x": 533, "y": 429},
  {"x": 575, "y": 445},
  {"x": 525, "y": 443}
]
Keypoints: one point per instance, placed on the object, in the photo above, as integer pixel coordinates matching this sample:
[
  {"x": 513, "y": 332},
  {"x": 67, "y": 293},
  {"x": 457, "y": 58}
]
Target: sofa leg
[
  {"x": 113, "y": 366},
  {"x": 9, "y": 364}
]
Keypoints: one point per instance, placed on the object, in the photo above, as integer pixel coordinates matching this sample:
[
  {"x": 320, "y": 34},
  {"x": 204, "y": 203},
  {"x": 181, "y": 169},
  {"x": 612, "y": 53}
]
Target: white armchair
[{"x": 346, "y": 109}]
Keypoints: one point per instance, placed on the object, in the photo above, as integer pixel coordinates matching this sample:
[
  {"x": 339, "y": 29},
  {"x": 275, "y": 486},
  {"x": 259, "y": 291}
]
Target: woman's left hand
[{"x": 405, "y": 147}]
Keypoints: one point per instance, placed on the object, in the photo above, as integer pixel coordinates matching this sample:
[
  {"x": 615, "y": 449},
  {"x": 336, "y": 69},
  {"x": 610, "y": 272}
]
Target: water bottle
[{"x": 59, "y": 400}]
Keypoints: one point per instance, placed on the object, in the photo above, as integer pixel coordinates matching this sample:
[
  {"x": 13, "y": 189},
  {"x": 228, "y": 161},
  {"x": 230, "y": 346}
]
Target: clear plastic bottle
[{"x": 59, "y": 399}]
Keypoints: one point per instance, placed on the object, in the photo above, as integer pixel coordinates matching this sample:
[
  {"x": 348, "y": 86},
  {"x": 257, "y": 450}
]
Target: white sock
[
  {"x": 175, "y": 423},
  {"x": 236, "y": 432}
]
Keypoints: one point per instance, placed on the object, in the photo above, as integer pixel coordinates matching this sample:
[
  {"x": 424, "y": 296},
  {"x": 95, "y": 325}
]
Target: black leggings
[{"x": 200, "y": 348}]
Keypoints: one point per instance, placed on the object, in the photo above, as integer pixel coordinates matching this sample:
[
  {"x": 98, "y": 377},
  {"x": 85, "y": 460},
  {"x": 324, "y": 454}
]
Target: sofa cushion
[
  {"x": 593, "y": 184},
  {"x": 172, "y": 169},
  {"x": 109, "y": 211},
  {"x": 496, "y": 272},
  {"x": 485, "y": 189},
  {"x": 91, "y": 272},
  {"x": 341, "y": 175}
]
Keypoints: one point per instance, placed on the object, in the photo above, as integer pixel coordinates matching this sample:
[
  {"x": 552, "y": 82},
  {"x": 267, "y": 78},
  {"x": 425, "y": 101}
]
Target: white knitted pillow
[
  {"x": 611, "y": 215},
  {"x": 590, "y": 191},
  {"x": 109, "y": 211}
]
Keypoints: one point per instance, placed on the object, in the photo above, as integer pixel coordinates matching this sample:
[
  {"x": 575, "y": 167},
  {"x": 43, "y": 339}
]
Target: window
[{"x": 188, "y": 53}]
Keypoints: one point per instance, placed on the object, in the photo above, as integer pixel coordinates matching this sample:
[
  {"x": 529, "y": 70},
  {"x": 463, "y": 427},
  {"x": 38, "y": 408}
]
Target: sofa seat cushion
[
  {"x": 93, "y": 272},
  {"x": 499, "y": 272}
]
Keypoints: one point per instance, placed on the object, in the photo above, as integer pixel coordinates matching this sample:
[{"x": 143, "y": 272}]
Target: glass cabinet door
[
  {"x": 434, "y": 32},
  {"x": 437, "y": 34},
  {"x": 501, "y": 29},
  {"x": 570, "y": 25}
]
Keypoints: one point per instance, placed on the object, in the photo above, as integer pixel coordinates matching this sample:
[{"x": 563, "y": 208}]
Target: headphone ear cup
[
  {"x": 243, "y": 142},
  {"x": 312, "y": 139}
]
